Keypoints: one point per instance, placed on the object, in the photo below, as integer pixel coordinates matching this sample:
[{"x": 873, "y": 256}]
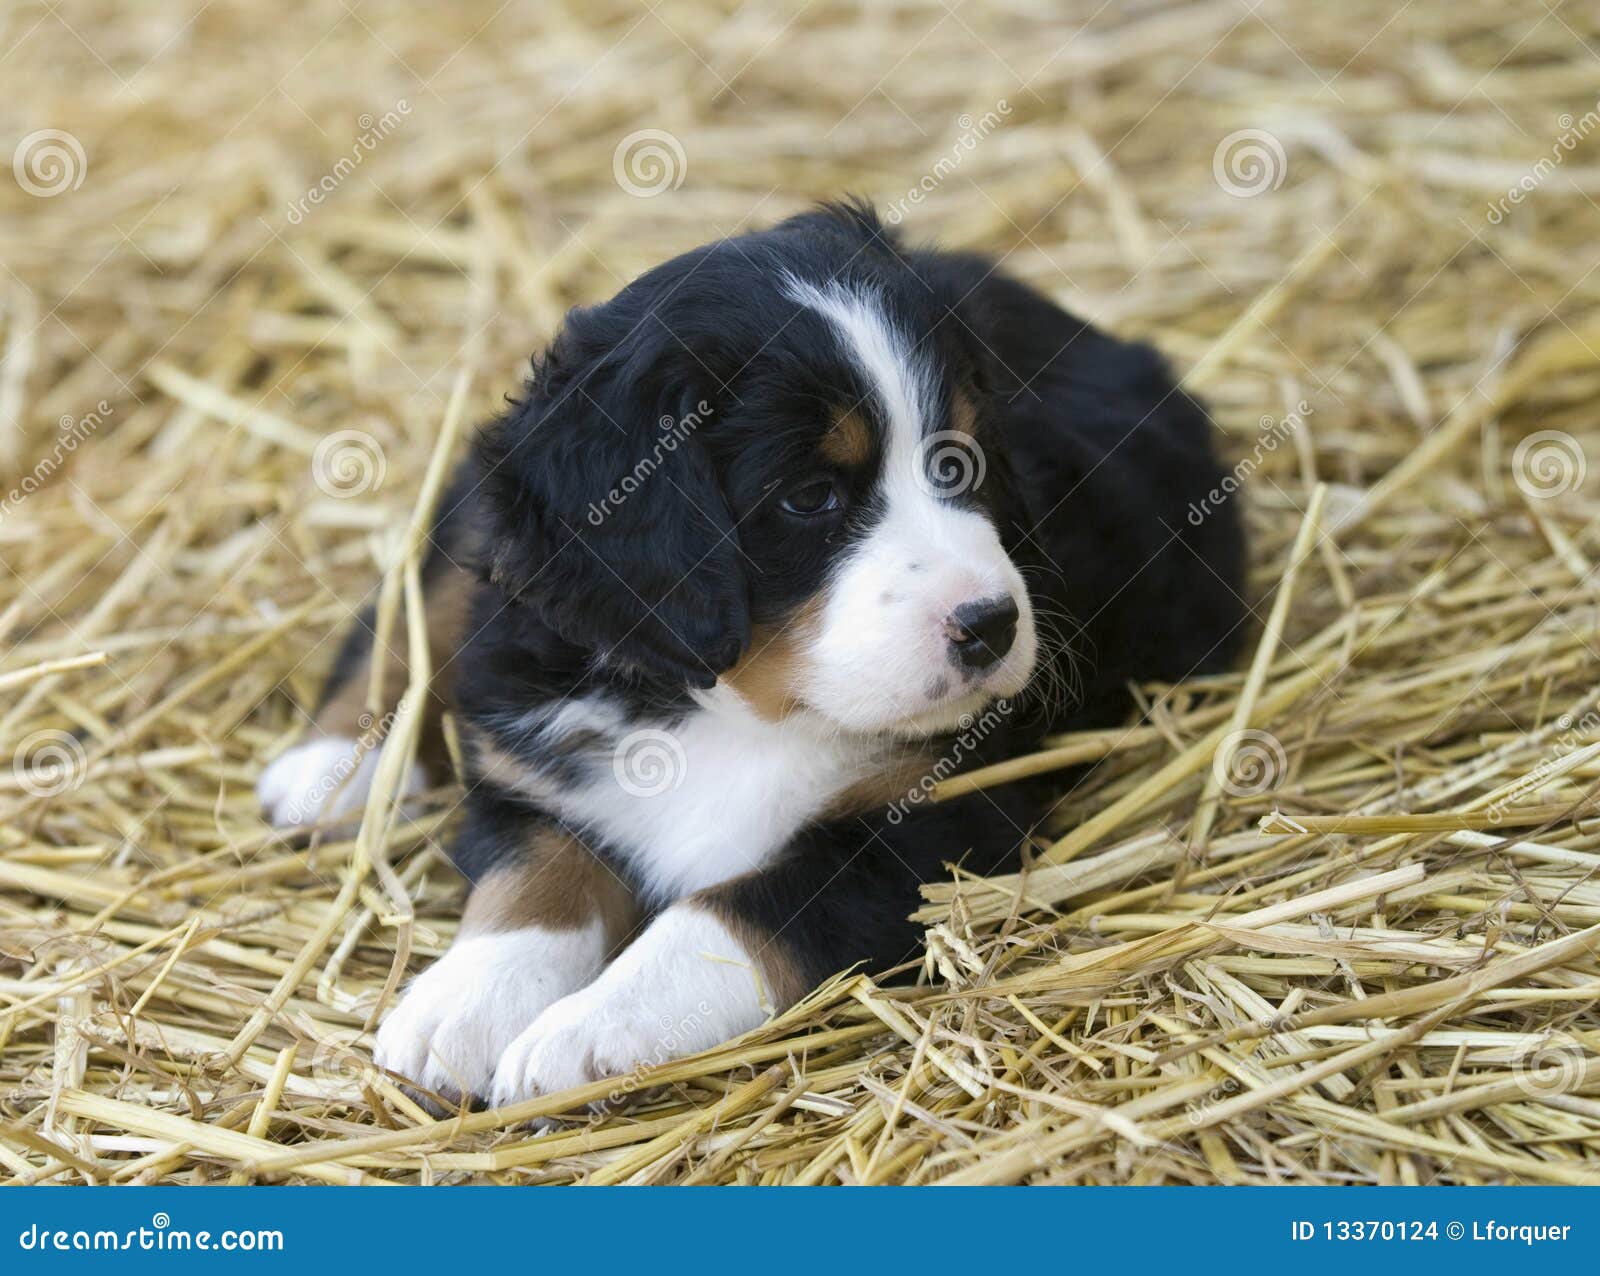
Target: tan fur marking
[
  {"x": 849, "y": 442},
  {"x": 487, "y": 763},
  {"x": 556, "y": 883},
  {"x": 963, "y": 414},
  {"x": 768, "y": 676}
]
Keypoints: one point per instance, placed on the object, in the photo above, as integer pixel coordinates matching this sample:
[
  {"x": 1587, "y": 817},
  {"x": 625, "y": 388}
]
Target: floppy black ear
[{"x": 605, "y": 510}]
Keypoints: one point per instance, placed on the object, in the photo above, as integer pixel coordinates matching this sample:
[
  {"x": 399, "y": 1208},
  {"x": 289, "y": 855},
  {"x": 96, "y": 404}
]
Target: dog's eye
[{"x": 811, "y": 499}]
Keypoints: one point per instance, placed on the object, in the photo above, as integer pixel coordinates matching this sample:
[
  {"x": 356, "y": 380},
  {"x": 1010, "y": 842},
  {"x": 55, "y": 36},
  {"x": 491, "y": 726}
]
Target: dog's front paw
[
  {"x": 323, "y": 779},
  {"x": 459, "y": 1015},
  {"x": 579, "y": 1039},
  {"x": 683, "y": 986}
]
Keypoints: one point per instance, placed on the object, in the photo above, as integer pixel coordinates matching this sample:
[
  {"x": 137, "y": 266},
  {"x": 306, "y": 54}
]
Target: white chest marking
[{"x": 712, "y": 796}]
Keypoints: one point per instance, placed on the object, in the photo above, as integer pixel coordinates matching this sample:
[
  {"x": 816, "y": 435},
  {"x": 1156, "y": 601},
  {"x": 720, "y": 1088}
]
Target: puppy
[{"x": 796, "y": 524}]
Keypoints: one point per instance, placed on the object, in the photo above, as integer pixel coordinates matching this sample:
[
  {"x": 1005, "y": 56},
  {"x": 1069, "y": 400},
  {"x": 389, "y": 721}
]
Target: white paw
[
  {"x": 683, "y": 986},
  {"x": 458, "y": 1016},
  {"x": 323, "y": 779},
  {"x": 580, "y": 1039}
]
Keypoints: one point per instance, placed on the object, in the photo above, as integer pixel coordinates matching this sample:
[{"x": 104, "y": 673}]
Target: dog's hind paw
[{"x": 323, "y": 779}]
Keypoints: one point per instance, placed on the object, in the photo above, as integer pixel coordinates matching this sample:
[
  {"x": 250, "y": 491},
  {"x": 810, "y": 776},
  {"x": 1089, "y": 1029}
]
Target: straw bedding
[{"x": 1330, "y": 919}]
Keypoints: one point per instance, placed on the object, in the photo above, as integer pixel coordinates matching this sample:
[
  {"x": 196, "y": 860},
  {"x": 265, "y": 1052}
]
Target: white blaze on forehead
[{"x": 899, "y": 377}]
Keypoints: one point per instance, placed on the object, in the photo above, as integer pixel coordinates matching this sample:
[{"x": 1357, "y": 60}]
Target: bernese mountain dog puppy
[{"x": 796, "y": 524}]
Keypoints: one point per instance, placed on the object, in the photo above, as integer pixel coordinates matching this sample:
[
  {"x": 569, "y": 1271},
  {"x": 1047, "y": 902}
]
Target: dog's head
[{"x": 769, "y": 462}]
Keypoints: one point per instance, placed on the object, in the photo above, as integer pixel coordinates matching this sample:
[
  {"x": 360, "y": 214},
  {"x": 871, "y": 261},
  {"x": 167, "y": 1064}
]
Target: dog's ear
[{"x": 605, "y": 511}]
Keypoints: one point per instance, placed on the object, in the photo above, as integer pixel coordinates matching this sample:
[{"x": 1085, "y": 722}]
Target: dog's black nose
[{"x": 982, "y": 631}]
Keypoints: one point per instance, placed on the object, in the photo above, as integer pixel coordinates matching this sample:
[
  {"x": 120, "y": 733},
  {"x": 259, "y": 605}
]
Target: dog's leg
[
  {"x": 540, "y": 923},
  {"x": 327, "y": 773},
  {"x": 717, "y": 963},
  {"x": 688, "y": 982}
]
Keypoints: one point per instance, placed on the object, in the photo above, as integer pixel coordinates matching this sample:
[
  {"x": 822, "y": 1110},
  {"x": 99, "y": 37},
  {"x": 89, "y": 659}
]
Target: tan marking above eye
[
  {"x": 849, "y": 441},
  {"x": 963, "y": 413}
]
